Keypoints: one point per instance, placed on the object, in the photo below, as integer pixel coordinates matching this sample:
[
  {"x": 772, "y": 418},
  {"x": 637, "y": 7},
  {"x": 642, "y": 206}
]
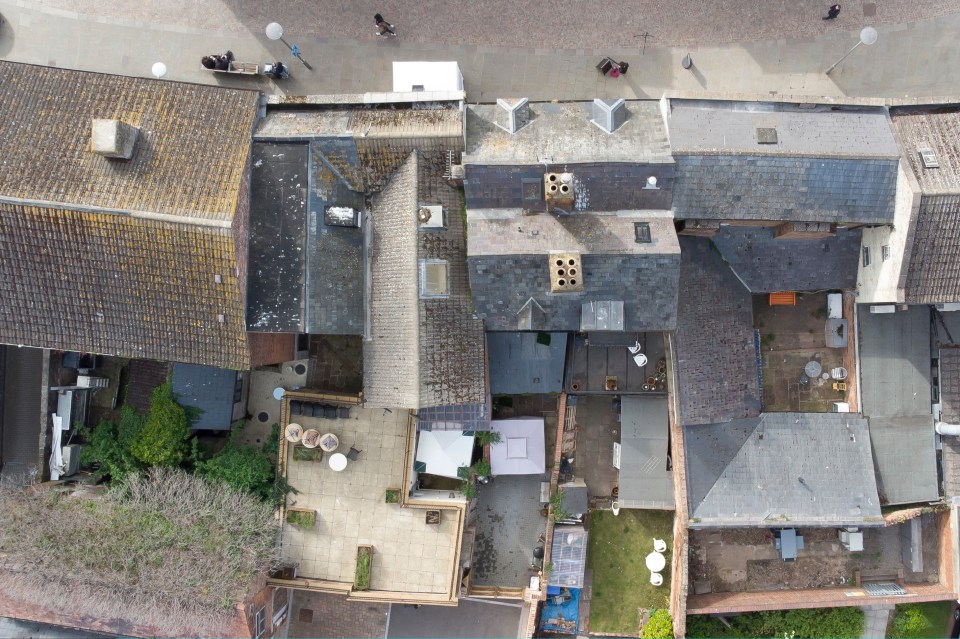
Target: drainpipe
[{"x": 944, "y": 428}]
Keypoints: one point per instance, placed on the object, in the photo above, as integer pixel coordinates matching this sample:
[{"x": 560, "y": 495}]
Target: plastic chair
[
  {"x": 640, "y": 360},
  {"x": 353, "y": 454},
  {"x": 656, "y": 579},
  {"x": 659, "y": 545},
  {"x": 838, "y": 373}
]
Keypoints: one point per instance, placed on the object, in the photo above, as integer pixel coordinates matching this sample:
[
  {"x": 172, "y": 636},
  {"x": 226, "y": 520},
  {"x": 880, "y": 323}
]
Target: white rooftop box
[{"x": 426, "y": 76}]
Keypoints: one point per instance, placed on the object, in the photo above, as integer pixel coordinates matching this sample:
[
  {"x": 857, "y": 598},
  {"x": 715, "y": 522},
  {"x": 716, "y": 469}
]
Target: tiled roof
[
  {"x": 933, "y": 275},
  {"x": 767, "y": 265},
  {"x": 563, "y": 133},
  {"x": 189, "y": 159},
  {"x": 782, "y": 467},
  {"x": 509, "y": 267},
  {"x": 717, "y": 361},
  {"x": 938, "y": 130},
  {"x": 120, "y": 285},
  {"x": 758, "y": 187},
  {"x": 950, "y": 384},
  {"x": 730, "y": 128},
  {"x": 391, "y": 371}
]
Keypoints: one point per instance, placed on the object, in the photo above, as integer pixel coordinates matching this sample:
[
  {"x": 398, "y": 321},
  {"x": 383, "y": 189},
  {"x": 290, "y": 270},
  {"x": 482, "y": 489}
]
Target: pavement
[
  {"x": 471, "y": 618},
  {"x": 875, "y": 619},
  {"x": 748, "y": 48}
]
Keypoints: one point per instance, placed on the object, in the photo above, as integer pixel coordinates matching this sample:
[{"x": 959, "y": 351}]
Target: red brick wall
[
  {"x": 947, "y": 551},
  {"x": 679, "y": 585},
  {"x": 271, "y": 348}
]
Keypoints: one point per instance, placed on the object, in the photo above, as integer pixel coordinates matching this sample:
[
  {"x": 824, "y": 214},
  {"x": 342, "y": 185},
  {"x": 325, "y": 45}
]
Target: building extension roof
[
  {"x": 122, "y": 256},
  {"x": 766, "y": 264},
  {"x": 526, "y": 362},
  {"x": 818, "y": 165},
  {"x": 796, "y": 469},
  {"x": 510, "y": 269},
  {"x": 425, "y": 351},
  {"x": 210, "y": 391},
  {"x": 645, "y": 481},
  {"x": 717, "y": 361},
  {"x": 905, "y": 455}
]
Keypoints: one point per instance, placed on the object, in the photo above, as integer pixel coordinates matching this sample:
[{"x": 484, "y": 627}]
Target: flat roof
[
  {"x": 904, "y": 451},
  {"x": 895, "y": 362},
  {"x": 645, "y": 481}
]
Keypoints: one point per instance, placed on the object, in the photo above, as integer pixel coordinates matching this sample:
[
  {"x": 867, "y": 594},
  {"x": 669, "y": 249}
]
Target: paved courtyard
[{"x": 409, "y": 555}]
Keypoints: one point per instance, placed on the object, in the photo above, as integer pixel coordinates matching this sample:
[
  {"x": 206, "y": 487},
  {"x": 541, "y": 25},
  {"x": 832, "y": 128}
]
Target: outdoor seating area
[
  {"x": 806, "y": 353},
  {"x": 343, "y": 475}
]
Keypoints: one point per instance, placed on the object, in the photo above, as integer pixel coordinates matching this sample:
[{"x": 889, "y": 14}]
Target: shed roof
[
  {"x": 782, "y": 467},
  {"x": 209, "y": 390},
  {"x": 645, "y": 481},
  {"x": 561, "y": 133}
]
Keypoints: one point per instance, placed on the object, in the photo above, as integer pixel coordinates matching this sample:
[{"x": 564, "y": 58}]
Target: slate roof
[
  {"x": 950, "y": 384},
  {"x": 905, "y": 455},
  {"x": 423, "y": 352},
  {"x": 560, "y": 133},
  {"x": 520, "y": 364},
  {"x": 120, "y": 257},
  {"x": 509, "y": 269},
  {"x": 895, "y": 362},
  {"x": 209, "y": 390},
  {"x": 730, "y": 128},
  {"x": 735, "y": 477},
  {"x": 767, "y": 265},
  {"x": 716, "y": 357},
  {"x": 758, "y": 187}
]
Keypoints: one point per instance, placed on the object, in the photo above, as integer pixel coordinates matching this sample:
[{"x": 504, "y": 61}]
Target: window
[
  {"x": 434, "y": 281},
  {"x": 866, "y": 256},
  {"x": 261, "y": 622},
  {"x": 238, "y": 389},
  {"x": 642, "y": 232},
  {"x": 885, "y": 252}
]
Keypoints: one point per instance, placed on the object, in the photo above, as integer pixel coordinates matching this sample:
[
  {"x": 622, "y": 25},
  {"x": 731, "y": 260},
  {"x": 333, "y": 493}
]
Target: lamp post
[
  {"x": 275, "y": 32},
  {"x": 159, "y": 69},
  {"x": 868, "y": 35}
]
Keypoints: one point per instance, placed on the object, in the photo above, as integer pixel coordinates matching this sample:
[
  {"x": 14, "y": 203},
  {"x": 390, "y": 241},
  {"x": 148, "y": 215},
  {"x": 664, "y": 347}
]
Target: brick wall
[
  {"x": 271, "y": 348},
  {"x": 679, "y": 585}
]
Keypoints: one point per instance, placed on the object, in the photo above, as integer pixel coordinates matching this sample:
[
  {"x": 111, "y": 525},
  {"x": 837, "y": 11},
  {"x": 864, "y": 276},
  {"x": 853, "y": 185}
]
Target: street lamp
[
  {"x": 868, "y": 35},
  {"x": 159, "y": 69},
  {"x": 275, "y": 32}
]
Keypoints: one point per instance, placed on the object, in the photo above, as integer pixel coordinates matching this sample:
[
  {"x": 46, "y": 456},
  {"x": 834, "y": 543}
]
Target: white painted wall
[{"x": 882, "y": 281}]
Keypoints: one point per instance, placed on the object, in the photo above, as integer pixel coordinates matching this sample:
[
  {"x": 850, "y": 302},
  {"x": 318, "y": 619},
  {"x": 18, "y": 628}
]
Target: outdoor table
[
  {"x": 278, "y": 393},
  {"x": 656, "y": 561},
  {"x": 293, "y": 432},
  {"x": 311, "y": 438},
  {"x": 329, "y": 442},
  {"x": 338, "y": 461}
]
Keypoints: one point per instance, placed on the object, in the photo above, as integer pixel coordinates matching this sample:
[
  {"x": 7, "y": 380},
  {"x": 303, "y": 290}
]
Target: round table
[
  {"x": 329, "y": 442},
  {"x": 278, "y": 393},
  {"x": 338, "y": 461},
  {"x": 311, "y": 438},
  {"x": 812, "y": 369},
  {"x": 293, "y": 432},
  {"x": 656, "y": 561}
]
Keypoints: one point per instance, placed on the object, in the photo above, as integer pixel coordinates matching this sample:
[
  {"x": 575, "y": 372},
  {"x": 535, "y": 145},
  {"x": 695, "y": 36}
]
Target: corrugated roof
[{"x": 782, "y": 468}]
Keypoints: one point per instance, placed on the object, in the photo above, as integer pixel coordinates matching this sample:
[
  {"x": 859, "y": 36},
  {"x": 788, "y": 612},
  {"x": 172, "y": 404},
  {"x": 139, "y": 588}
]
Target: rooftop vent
[
  {"x": 431, "y": 217},
  {"x": 929, "y": 158},
  {"x": 565, "y": 273},
  {"x": 558, "y": 188},
  {"x": 513, "y": 115},
  {"x": 609, "y": 115},
  {"x": 341, "y": 216},
  {"x": 766, "y": 135},
  {"x": 113, "y": 139},
  {"x": 641, "y": 232}
]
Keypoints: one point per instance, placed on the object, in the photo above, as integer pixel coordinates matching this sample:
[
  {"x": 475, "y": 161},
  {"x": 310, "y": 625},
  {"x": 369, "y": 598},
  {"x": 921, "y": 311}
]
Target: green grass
[
  {"x": 933, "y": 621},
  {"x": 361, "y": 580},
  {"x": 621, "y": 582}
]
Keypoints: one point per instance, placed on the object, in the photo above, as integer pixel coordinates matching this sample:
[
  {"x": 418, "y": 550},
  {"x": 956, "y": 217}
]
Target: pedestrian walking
[
  {"x": 384, "y": 28},
  {"x": 832, "y": 12}
]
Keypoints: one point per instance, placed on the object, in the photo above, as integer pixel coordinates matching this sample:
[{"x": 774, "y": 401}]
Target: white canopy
[
  {"x": 521, "y": 449},
  {"x": 444, "y": 451}
]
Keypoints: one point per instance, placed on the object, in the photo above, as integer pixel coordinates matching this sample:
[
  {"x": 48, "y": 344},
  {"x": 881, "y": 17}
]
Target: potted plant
[
  {"x": 392, "y": 496},
  {"x": 361, "y": 579}
]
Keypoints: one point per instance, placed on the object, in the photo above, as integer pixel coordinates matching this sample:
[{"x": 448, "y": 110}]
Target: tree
[
  {"x": 108, "y": 445},
  {"x": 162, "y": 441},
  {"x": 242, "y": 468}
]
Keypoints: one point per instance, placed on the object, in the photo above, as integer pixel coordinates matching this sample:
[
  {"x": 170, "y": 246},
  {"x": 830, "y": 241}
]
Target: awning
[
  {"x": 521, "y": 449},
  {"x": 443, "y": 452}
]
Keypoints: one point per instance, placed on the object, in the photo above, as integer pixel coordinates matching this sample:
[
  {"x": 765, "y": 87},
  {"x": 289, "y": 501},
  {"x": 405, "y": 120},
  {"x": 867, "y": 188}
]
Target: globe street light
[
  {"x": 868, "y": 35},
  {"x": 159, "y": 69},
  {"x": 275, "y": 32}
]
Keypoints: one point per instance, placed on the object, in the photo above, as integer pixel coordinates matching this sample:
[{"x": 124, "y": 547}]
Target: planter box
[
  {"x": 361, "y": 579},
  {"x": 392, "y": 496},
  {"x": 302, "y": 517},
  {"x": 433, "y": 517}
]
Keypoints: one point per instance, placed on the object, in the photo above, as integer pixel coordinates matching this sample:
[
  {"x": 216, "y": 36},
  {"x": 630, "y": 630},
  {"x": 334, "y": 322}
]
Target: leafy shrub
[
  {"x": 108, "y": 445},
  {"x": 393, "y": 496},
  {"x": 659, "y": 626},
  {"x": 815, "y": 623},
  {"x": 485, "y": 437},
  {"x": 241, "y": 467},
  {"x": 482, "y": 468},
  {"x": 361, "y": 580},
  {"x": 301, "y": 519},
  {"x": 162, "y": 441}
]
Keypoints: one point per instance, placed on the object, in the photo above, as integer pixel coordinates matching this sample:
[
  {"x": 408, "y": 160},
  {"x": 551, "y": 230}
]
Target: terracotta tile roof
[
  {"x": 117, "y": 284},
  {"x": 189, "y": 159},
  {"x": 121, "y": 256}
]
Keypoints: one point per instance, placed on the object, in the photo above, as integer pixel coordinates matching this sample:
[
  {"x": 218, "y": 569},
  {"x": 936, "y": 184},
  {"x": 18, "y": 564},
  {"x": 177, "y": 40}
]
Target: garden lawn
[
  {"x": 621, "y": 582},
  {"x": 934, "y": 621}
]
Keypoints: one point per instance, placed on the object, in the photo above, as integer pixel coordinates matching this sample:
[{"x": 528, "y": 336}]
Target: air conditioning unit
[
  {"x": 883, "y": 308},
  {"x": 841, "y": 407},
  {"x": 852, "y": 539},
  {"x": 949, "y": 306},
  {"x": 71, "y": 459}
]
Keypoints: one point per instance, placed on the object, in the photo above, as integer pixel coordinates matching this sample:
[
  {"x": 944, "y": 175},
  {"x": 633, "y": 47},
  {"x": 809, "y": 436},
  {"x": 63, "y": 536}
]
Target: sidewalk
[{"x": 909, "y": 61}]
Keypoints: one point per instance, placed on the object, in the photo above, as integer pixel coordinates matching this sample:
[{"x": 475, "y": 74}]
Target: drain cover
[{"x": 884, "y": 590}]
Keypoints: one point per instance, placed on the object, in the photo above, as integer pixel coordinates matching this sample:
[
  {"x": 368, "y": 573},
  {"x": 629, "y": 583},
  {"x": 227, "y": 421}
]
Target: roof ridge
[{"x": 143, "y": 215}]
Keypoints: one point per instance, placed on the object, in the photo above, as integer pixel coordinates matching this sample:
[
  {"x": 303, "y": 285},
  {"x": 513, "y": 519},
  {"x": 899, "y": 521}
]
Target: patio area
[
  {"x": 409, "y": 555},
  {"x": 795, "y": 355}
]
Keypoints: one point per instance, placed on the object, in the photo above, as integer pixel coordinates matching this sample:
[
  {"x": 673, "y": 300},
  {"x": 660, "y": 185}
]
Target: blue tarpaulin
[{"x": 561, "y": 611}]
